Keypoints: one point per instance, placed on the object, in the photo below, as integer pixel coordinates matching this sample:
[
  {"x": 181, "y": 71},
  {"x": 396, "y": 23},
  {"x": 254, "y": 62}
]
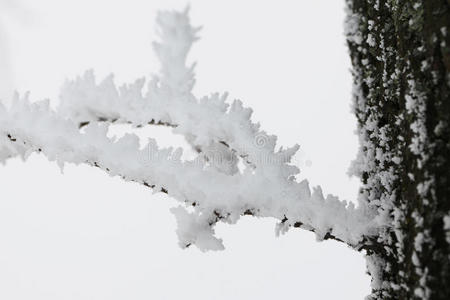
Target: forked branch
[{"x": 211, "y": 185}]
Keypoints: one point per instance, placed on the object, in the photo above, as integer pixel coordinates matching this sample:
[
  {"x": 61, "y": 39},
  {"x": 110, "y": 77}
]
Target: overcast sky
[{"x": 84, "y": 235}]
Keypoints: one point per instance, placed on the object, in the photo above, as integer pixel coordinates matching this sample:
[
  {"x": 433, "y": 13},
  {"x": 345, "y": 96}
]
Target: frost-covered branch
[
  {"x": 210, "y": 188},
  {"x": 208, "y": 123}
]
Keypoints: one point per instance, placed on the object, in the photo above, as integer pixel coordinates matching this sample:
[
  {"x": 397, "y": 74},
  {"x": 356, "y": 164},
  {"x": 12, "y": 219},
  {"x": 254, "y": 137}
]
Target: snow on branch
[{"x": 209, "y": 192}]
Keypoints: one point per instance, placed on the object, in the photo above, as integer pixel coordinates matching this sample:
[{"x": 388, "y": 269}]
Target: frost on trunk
[{"x": 400, "y": 52}]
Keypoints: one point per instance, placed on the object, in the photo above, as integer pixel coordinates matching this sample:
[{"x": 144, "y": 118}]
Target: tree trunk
[{"x": 400, "y": 52}]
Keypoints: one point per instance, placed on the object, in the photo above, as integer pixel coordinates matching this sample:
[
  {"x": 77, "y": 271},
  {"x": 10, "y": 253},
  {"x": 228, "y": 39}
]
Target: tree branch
[{"x": 217, "y": 190}]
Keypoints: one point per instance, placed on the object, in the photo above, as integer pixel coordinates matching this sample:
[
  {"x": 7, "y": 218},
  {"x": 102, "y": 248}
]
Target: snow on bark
[
  {"x": 212, "y": 191},
  {"x": 401, "y": 69}
]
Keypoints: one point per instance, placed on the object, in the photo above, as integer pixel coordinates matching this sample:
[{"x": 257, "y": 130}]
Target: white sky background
[{"x": 84, "y": 235}]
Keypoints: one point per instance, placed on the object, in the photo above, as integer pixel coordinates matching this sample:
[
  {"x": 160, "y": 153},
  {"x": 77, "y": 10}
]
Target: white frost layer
[
  {"x": 168, "y": 100},
  {"x": 27, "y": 128},
  {"x": 267, "y": 187}
]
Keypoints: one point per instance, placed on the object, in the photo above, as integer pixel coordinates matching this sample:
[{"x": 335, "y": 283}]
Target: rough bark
[{"x": 400, "y": 52}]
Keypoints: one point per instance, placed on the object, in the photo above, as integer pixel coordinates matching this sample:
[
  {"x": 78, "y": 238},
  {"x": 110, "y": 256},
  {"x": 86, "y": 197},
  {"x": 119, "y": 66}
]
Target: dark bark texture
[{"x": 400, "y": 52}]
